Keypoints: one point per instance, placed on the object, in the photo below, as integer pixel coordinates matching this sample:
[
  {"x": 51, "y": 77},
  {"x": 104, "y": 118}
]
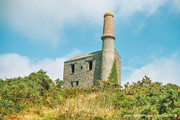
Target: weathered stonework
[
  {"x": 108, "y": 54},
  {"x": 82, "y": 74},
  {"x": 83, "y": 71},
  {"x": 118, "y": 64}
]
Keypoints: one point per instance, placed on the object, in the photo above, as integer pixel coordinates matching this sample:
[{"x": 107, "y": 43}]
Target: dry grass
[
  {"x": 34, "y": 114},
  {"x": 82, "y": 107},
  {"x": 87, "y": 107}
]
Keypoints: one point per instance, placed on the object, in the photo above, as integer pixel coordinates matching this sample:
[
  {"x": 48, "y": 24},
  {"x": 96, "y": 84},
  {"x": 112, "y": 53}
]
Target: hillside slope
[{"x": 38, "y": 97}]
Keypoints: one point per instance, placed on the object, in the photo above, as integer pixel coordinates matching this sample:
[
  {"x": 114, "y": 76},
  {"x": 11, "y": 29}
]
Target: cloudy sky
[{"x": 42, "y": 34}]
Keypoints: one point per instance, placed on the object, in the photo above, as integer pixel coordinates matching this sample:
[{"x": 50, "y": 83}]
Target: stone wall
[
  {"x": 108, "y": 50},
  {"x": 107, "y": 57},
  {"x": 102, "y": 61},
  {"x": 82, "y": 76},
  {"x": 118, "y": 64}
]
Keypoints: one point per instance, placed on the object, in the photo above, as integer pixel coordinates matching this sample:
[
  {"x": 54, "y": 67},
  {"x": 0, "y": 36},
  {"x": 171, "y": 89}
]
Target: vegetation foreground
[{"x": 38, "y": 97}]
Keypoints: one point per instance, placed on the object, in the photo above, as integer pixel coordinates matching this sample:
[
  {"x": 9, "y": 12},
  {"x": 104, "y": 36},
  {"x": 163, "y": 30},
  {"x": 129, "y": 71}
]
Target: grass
[
  {"x": 84, "y": 107},
  {"x": 106, "y": 101},
  {"x": 92, "y": 106}
]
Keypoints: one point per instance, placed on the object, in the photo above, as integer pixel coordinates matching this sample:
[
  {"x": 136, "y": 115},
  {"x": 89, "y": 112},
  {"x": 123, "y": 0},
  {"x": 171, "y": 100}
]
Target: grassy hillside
[{"x": 38, "y": 97}]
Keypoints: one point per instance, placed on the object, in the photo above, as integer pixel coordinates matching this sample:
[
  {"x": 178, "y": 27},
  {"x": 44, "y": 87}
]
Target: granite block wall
[{"x": 83, "y": 75}]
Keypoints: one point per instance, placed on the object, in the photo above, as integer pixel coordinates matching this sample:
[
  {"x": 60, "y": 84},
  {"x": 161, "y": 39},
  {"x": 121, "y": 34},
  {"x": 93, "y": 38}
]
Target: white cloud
[
  {"x": 44, "y": 20},
  {"x": 128, "y": 8},
  {"x": 14, "y": 65},
  {"x": 175, "y": 5},
  {"x": 165, "y": 70}
]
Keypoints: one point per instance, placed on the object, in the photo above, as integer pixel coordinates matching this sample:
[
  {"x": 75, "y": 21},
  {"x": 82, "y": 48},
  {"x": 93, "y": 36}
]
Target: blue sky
[{"x": 42, "y": 34}]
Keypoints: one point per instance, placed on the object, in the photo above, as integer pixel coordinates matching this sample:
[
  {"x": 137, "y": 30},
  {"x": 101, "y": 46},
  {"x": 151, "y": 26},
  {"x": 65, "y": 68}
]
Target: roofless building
[{"x": 83, "y": 71}]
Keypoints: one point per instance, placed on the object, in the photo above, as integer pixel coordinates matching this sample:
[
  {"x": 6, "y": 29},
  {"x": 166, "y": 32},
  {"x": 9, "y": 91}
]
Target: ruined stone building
[{"x": 85, "y": 70}]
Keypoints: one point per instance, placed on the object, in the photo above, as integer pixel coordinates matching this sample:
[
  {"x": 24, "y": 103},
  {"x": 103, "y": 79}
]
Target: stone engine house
[{"x": 84, "y": 70}]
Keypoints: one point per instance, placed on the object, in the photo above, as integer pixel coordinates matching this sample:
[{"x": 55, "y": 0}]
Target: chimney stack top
[
  {"x": 108, "y": 13},
  {"x": 108, "y": 26}
]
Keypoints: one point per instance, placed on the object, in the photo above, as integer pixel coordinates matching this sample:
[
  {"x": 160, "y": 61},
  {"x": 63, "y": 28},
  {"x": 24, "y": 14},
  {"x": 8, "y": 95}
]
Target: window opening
[
  {"x": 90, "y": 65},
  {"x": 72, "y": 68},
  {"x": 77, "y": 83},
  {"x": 81, "y": 67},
  {"x": 72, "y": 84}
]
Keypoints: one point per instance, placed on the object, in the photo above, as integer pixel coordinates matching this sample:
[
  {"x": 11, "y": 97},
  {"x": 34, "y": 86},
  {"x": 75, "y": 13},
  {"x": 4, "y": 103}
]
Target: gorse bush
[
  {"x": 107, "y": 100},
  {"x": 20, "y": 93}
]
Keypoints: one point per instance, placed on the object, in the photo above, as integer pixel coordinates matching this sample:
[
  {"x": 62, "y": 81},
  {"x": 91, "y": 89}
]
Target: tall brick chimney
[
  {"x": 108, "y": 50},
  {"x": 108, "y": 26}
]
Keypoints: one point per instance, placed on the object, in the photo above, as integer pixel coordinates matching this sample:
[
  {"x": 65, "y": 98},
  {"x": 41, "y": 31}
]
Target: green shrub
[
  {"x": 149, "y": 111},
  {"x": 38, "y": 90},
  {"x": 119, "y": 100},
  {"x": 131, "y": 92},
  {"x": 176, "y": 111},
  {"x": 140, "y": 100},
  {"x": 17, "y": 94},
  {"x": 97, "y": 118},
  {"x": 113, "y": 74}
]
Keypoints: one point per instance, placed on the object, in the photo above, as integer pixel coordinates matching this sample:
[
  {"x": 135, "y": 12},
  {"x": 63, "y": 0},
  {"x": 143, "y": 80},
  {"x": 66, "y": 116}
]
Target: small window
[
  {"x": 72, "y": 68},
  {"x": 72, "y": 84},
  {"x": 77, "y": 83},
  {"x": 81, "y": 67},
  {"x": 90, "y": 65}
]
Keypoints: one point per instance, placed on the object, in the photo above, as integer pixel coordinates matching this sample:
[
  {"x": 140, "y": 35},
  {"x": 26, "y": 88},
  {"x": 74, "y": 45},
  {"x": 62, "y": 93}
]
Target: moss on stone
[{"x": 113, "y": 74}]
